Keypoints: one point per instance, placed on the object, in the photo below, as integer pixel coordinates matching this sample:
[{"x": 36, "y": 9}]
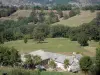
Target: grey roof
[
  {"x": 55, "y": 56},
  {"x": 40, "y": 53},
  {"x": 78, "y": 56}
]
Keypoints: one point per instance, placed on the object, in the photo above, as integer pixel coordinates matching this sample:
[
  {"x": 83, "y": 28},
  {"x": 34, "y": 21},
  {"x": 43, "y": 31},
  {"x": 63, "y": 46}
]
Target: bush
[
  {"x": 85, "y": 63},
  {"x": 82, "y": 39},
  {"x": 66, "y": 16},
  {"x": 25, "y": 40}
]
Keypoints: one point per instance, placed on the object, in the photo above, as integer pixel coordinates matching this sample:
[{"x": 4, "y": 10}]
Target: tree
[
  {"x": 93, "y": 70},
  {"x": 32, "y": 61},
  {"x": 98, "y": 19},
  {"x": 66, "y": 16},
  {"x": 85, "y": 64},
  {"x": 66, "y": 63},
  {"x": 98, "y": 60},
  {"x": 36, "y": 59},
  {"x": 82, "y": 39},
  {"x": 52, "y": 64},
  {"x": 58, "y": 31},
  {"x": 9, "y": 56},
  {"x": 33, "y": 17},
  {"x": 14, "y": 57},
  {"x": 72, "y": 13},
  {"x": 25, "y": 40},
  {"x": 60, "y": 13},
  {"x": 29, "y": 61},
  {"x": 38, "y": 34},
  {"x": 41, "y": 16},
  {"x": 1, "y": 38}
]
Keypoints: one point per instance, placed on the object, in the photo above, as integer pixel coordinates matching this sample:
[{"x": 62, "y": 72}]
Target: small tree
[
  {"x": 38, "y": 34},
  {"x": 25, "y": 40},
  {"x": 85, "y": 64},
  {"x": 52, "y": 64},
  {"x": 36, "y": 59},
  {"x": 72, "y": 13},
  {"x": 66, "y": 63},
  {"x": 82, "y": 39},
  {"x": 66, "y": 16},
  {"x": 98, "y": 60},
  {"x": 31, "y": 61},
  {"x": 60, "y": 13},
  {"x": 1, "y": 38}
]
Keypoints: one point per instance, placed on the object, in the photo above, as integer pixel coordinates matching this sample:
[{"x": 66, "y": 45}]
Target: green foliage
[
  {"x": 98, "y": 59},
  {"x": 66, "y": 63},
  {"x": 62, "y": 7},
  {"x": 66, "y": 16},
  {"x": 93, "y": 70},
  {"x": 23, "y": 72},
  {"x": 58, "y": 31},
  {"x": 38, "y": 34},
  {"x": 60, "y": 13},
  {"x": 72, "y": 13},
  {"x": 31, "y": 61},
  {"x": 1, "y": 38},
  {"x": 85, "y": 63},
  {"x": 82, "y": 39},
  {"x": 9, "y": 56},
  {"x": 52, "y": 64},
  {"x": 25, "y": 40},
  {"x": 7, "y": 11},
  {"x": 53, "y": 18}
]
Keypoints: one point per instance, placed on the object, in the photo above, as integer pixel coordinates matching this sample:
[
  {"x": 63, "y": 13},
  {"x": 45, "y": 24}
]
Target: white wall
[{"x": 60, "y": 65}]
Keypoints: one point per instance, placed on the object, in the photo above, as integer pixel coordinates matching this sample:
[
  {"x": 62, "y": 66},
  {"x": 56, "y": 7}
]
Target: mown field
[
  {"x": 84, "y": 17},
  {"x": 53, "y": 45},
  {"x": 58, "y": 45}
]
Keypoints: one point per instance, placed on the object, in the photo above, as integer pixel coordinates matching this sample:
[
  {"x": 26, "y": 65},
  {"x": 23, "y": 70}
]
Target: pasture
[{"x": 84, "y": 17}]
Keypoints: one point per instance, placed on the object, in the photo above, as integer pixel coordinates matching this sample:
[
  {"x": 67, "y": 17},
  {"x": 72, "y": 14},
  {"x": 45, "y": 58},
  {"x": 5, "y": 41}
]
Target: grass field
[
  {"x": 84, "y": 17},
  {"x": 53, "y": 45},
  {"x": 58, "y": 45}
]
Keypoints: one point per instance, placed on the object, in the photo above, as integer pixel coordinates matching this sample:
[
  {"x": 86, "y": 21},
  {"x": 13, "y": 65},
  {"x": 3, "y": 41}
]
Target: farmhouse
[{"x": 58, "y": 59}]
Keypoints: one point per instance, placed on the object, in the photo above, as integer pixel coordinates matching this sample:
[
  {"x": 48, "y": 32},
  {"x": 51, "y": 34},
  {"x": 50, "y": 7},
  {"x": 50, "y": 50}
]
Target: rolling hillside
[
  {"x": 84, "y": 17},
  {"x": 16, "y": 15}
]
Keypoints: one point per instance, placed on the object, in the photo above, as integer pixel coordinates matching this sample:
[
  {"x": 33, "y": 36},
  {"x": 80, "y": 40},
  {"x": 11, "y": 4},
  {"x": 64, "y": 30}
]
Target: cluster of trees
[
  {"x": 89, "y": 65},
  {"x": 62, "y": 7},
  {"x": 94, "y": 7},
  {"x": 7, "y": 11},
  {"x": 9, "y": 56}
]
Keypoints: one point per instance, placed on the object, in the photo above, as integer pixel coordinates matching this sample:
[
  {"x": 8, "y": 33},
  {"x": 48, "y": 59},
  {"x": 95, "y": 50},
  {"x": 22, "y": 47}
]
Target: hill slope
[
  {"x": 17, "y": 14},
  {"x": 84, "y": 17}
]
